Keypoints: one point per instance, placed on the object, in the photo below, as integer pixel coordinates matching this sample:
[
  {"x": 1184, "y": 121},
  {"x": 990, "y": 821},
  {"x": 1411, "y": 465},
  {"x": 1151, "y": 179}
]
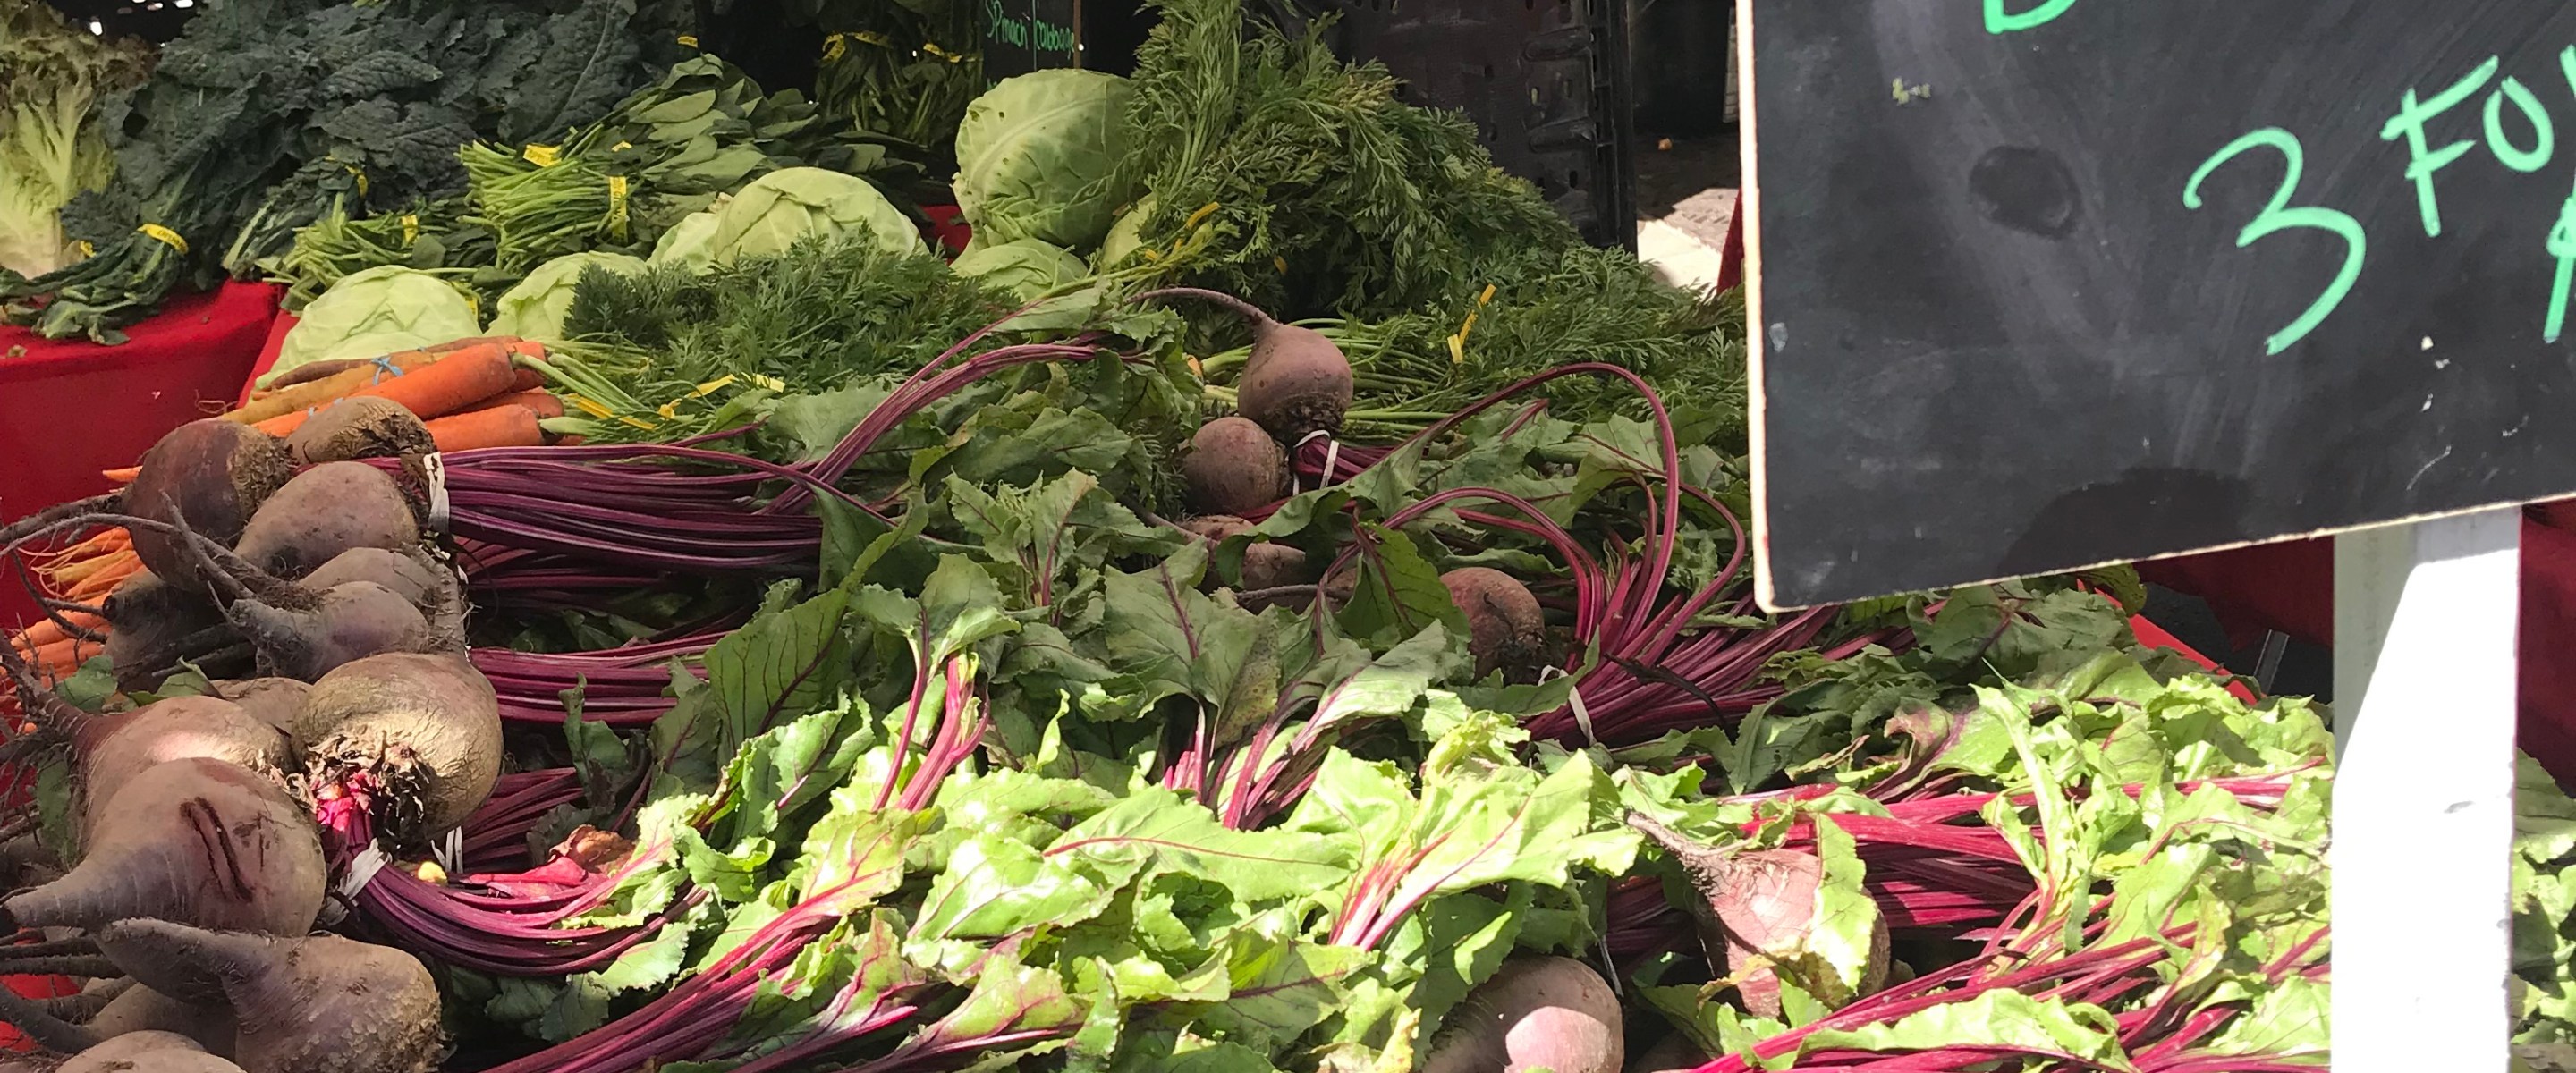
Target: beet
[
  {"x": 431, "y": 587},
  {"x": 310, "y": 1004},
  {"x": 214, "y": 475},
  {"x": 1214, "y": 526},
  {"x": 271, "y": 700},
  {"x": 195, "y": 839},
  {"x": 1505, "y": 629},
  {"x": 114, "y": 750},
  {"x": 361, "y": 426},
  {"x": 1548, "y": 1013},
  {"x": 1233, "y": 467},
  {"x": 1275, "y": 566},
  {"x": 325, "y": 511},
  {"x": 1296, "y": 380},
  {"x": 142, "y": 1009},
  {"x": 423, "y": 731},
  {"x": 344, "y": 623},
  {"x": 151, "y": 624},
  {"x": 1755, "y": 905},
  {"x": 138, "y": 1051}
]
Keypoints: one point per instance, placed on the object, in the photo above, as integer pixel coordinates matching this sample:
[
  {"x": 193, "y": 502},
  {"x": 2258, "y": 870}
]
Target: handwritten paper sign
[
  {"x": 1021, "y": 36},
  {"x": 2044, "y": 284}
]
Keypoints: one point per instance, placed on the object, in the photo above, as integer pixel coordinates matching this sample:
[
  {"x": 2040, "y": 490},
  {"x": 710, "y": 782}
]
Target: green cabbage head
[
  {"x": 1035, "y": 154},
  {"x": 378, "y": 311},
  {"x": 690, "y": 243},
  {"x": 535, "y": 309},
  {"x": 783, "y": 206},
  {"x": 1027, "y": 268}
]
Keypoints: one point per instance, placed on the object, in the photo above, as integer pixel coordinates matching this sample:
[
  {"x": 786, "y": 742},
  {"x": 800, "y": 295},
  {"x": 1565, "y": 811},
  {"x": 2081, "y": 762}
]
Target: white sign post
[{"x": 2425, "y": 616}]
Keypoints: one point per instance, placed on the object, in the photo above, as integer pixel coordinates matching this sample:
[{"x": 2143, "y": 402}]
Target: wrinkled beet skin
[
  {"x": 359, "y": 427},
  {"x": 148, "y": 619},
  {"x": 436, "y": 707},
  {"x": 209, "y": 475},
  {"x": 313, "y": 1004},
  {"x": 353, "y": 621},
  {"x": 114, "y": 750},
  {"x": 1537, "y": 1012},
  {"x": 196, "y": 839},
  {"x": 324, "y": 511},
  {"x": 1233, "y": 466},
  {"x": 1295, "y": 382},
  {"x": 1505, "y": 626}
]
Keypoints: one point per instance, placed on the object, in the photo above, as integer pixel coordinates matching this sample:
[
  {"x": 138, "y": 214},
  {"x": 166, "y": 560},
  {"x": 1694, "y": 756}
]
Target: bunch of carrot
[{"x": 471, "y": 393}]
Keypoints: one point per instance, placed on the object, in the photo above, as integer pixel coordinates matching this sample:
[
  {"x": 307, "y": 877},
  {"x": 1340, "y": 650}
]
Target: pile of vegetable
[
  {"x": 1276, "y": 603},
  {"x": 52, "y": 76}
]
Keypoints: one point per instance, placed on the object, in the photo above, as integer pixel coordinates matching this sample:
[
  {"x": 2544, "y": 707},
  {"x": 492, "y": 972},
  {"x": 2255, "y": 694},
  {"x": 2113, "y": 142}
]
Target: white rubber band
[
  {"x": 362, "y": 871},
  {"x": 1573, "y": 700},
  {"x": 1296, "y": 483},
  {"x": 433, "y": 469}
]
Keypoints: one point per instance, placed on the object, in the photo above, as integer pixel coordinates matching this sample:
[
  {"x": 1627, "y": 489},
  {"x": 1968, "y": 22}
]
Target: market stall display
[{"x": 1277, "y": 601}]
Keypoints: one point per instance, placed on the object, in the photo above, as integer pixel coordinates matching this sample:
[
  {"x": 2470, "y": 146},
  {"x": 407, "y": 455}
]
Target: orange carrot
[
  {"x": 282, "y": 424},
  {"x": 97, "y": 585},
  {"x": 451, "y": 383},
  {"x": 543, "y": 402},
  {"x": 82, "y": 568},
  {"x": 500, "y": 426},
  {"x": 45, "y": 631},
  {"x": 313, "y": 394},
  {"x": 122, "y": 476}
]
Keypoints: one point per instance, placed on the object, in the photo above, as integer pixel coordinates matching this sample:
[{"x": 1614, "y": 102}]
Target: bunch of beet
[
  {"x": 207, "y": 828},
  {"x": 1295, "y": 387}
]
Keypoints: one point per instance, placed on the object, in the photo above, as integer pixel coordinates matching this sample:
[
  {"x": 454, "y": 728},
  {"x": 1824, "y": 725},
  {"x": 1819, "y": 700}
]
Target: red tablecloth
[{"x": 70, "y": 408}]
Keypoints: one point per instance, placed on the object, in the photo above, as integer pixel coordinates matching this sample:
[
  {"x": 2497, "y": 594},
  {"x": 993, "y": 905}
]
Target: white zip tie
[
  {"x": 1296, "y": 483},
  {"x": 433, "y": 468},
  {"x": 362, "y": 870},
  {"x": 450, "y": 851},
  {"x": 1573, "y": 700}
]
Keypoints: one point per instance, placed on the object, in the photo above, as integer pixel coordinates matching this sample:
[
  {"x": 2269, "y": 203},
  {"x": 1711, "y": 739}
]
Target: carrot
[
  {"x": 312, "y": 395},
  {"x": 45, "y": 631},
  {"x": 85, "y": 568},
  {"x": 282, "y": 424},
  {"x": 451, "y": 383},
  {"x": 96, "y": 586},
  {"x": 543, "y": 402},
  {"x": 500, "y": 426},
  {"x": 122, "y": 476}
]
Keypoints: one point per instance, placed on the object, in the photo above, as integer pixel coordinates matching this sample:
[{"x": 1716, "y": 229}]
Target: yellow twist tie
[
  {"x": 711, "y": 387},
  {"x": 584, "y": 405},
  {"x": 942, "y": 53},
  {"x": 361, "y": 176},
  {"x": 835, "y": 47},
  {"x": 86, "y": 250},
  {"x": 411, "y": 229},
  {"x": 688, "y": 40},
  {"x": 771, "y": 382},
  {"x": 1200, "y": 216},
  {"x": 874, "y": 38},
  {"x": 617, "y": 206},
  {"x": 1458, "y": 342},
  {"x": 165, "y": 236},
  {"x": 543, "y": 156}
]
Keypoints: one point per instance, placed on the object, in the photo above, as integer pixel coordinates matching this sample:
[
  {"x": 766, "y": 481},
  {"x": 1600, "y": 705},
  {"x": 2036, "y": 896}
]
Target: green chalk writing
[
  {"x": 2409, "y": 122},
  {"x": 2280, "y": 215},
  {"x": 2000, "y": 21},
  {"x": 2545, "y": 140}
]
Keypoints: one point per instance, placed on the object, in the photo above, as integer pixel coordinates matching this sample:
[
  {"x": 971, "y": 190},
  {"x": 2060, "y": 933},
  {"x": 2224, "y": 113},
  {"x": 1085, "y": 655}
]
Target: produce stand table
[{"x": 70, "y": 408}]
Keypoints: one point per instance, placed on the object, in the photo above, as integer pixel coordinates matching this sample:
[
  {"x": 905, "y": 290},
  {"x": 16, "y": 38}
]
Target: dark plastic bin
[{"x": 1546, "y": 80}]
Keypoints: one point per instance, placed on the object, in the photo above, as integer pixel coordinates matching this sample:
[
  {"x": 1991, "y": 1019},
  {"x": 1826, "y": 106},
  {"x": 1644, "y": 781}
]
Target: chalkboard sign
[
  {"x": 2043, "y": 284},
  {"x": 1021, "y": 36}
]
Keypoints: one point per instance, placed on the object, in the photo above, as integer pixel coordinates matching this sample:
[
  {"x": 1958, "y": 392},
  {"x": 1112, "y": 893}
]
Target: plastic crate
[{"x": 1547, "y": 82}]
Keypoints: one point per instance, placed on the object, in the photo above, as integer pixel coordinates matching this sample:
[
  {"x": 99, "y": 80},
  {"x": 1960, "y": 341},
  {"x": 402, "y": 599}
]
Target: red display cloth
[{"x": 71, "y": 408}]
